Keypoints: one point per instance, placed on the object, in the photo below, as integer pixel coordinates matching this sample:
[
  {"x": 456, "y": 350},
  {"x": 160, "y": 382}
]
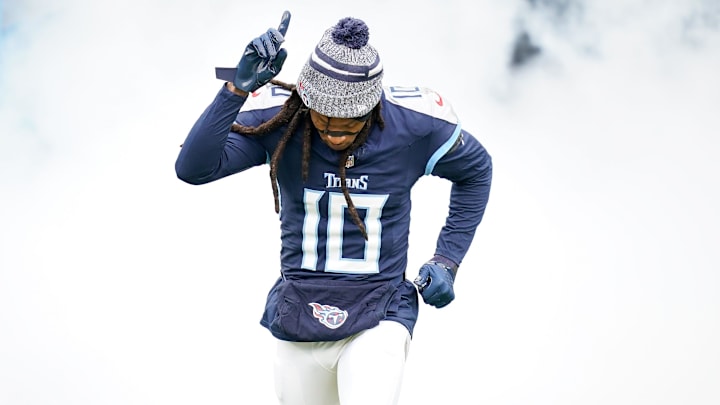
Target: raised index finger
[{"x": 284, "y": 22}]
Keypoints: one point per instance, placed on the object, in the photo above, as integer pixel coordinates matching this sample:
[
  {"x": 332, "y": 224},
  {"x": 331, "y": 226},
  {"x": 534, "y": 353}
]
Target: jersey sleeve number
[{"x": 334, "y": 261}]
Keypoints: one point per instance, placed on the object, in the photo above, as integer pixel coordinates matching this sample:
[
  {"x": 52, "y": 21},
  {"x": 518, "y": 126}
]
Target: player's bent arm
[
  {"x": 209, "y": 151},
  {"x": 469, "y": 167}
]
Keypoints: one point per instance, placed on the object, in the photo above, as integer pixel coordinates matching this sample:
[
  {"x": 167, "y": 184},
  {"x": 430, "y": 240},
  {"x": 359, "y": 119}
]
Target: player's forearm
[
  {"x": 468, "y": 199},
  {"x": 467, "y": 207},
  {"x": 202, "y": 151}
]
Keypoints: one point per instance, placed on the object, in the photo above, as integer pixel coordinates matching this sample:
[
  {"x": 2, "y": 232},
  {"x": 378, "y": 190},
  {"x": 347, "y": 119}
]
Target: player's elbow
[
  {"x": 190, "y": 180},
  {"x": 188, "y": 175}
]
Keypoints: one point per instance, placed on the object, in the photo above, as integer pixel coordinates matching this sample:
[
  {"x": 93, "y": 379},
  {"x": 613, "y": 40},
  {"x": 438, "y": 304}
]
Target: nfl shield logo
[{"x": 350, "y": 162}]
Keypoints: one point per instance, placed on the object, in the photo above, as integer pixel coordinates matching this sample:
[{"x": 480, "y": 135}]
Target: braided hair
[{"x": 292, "y": 114}]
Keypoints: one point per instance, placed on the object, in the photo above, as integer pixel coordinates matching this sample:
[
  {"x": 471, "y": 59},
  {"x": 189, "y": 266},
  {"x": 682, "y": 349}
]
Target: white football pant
[{"x": 366, "y": 368}]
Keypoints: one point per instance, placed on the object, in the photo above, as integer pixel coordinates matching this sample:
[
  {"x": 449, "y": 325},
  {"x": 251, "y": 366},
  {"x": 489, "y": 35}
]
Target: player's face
[{"x": 337, "y": 133}]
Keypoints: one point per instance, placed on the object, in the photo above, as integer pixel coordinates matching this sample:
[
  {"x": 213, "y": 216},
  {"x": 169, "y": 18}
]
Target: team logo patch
[
  {"x": 328, "y": 315},
  {"x": 304, "y": 95}
]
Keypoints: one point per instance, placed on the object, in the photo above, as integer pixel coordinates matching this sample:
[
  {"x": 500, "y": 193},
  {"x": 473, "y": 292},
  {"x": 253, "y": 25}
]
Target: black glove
[
  {"x": 262, "y": 60},
  {"x": 435, "y": 281}
]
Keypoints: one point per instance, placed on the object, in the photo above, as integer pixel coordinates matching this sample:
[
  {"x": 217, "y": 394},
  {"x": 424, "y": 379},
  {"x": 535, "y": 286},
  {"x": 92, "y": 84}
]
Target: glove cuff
[{"x": 449, "y": 265}]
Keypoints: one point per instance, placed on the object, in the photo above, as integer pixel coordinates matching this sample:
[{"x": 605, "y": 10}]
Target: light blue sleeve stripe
[{"x": 442, "y": 150}]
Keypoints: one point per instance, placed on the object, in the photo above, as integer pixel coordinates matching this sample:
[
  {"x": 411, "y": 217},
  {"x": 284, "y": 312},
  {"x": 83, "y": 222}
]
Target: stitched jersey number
[
  {"x": 405, "y": 92},
  {"x": 334, "y": 260}
]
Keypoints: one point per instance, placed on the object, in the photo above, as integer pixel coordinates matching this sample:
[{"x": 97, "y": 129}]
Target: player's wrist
[
  {"x": 235, "y": 90},
  {"x": 448, "y": 264}
]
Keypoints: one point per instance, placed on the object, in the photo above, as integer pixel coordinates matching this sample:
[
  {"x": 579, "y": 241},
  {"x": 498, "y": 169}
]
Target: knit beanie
[{"x": 343, "y": 76}]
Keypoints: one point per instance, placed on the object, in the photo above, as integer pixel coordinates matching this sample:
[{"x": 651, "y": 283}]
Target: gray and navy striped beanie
[{"x": 343, "y": 76}]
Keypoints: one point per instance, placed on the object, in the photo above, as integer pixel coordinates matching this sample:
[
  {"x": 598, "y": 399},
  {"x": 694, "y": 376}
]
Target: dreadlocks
[{"x": 292, "y": 114}]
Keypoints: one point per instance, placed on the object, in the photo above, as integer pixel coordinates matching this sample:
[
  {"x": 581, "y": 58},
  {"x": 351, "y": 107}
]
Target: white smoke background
[{"x": 593, "y": 278}]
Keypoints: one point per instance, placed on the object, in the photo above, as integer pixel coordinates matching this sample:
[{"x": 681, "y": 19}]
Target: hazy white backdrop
[{"x": 594, "y": 278}]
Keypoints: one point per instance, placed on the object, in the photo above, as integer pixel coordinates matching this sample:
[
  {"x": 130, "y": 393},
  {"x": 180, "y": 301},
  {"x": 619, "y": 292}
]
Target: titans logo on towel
[{"x": 328, "y": 315}]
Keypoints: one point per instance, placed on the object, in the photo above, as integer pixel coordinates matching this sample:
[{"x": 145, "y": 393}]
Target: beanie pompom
[{"x": 351, "y": 32}]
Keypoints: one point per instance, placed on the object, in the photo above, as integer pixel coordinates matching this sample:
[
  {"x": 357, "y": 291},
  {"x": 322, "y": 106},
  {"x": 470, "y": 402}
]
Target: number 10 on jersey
[{"x": 333, "y": 234}]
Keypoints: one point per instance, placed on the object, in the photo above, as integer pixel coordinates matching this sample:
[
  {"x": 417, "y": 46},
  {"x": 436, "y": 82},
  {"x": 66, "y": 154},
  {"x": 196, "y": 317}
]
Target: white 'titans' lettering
[{"x": 333, "y": 181}]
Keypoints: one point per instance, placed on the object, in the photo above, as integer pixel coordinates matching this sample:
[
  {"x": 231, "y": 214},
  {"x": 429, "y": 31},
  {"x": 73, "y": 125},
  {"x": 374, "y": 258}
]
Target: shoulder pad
[
  {"x": 422, "y": 100},
  {"x": 267, "y": 96}
]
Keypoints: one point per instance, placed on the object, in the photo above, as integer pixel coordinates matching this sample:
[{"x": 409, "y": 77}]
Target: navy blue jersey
[{"x": 422, "y": 136}]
